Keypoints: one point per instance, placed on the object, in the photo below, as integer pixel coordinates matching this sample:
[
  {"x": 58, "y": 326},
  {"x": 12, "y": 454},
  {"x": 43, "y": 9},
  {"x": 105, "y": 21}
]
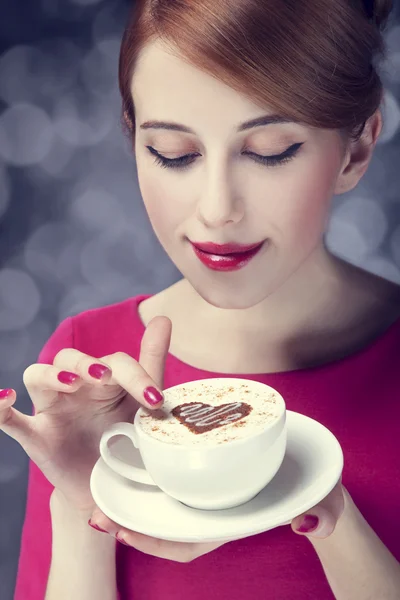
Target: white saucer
[{"x": 311, "y": 468}]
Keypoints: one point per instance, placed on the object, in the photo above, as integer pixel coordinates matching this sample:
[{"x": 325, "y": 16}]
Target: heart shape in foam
[{"x": 199, "y": 417}]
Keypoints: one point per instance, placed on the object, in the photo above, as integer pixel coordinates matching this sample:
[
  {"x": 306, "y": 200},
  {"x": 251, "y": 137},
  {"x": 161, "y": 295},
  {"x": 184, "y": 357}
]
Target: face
[{"x": 221, "y": 189}]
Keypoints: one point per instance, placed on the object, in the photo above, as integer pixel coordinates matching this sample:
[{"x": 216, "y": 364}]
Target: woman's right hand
[{"x": 63, "y": 436}]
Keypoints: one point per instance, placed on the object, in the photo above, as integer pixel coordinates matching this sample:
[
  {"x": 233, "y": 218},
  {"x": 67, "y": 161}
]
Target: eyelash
[{"x": 183, "y": 162}]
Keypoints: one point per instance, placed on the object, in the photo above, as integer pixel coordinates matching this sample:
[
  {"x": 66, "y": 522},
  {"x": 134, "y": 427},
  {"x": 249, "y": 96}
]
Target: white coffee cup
[{"x": 216, "y": 474}]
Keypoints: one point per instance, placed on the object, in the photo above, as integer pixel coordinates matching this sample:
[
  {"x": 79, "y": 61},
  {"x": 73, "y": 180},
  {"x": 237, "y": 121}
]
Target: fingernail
[
  {"x": 309, "y": 523},
  {"x": 152, "y": 396},
  {"x": 67, "y": 377},
  {"x": 121, "y": 540},
  {"x": 97, "y": 371},
  {"x": 5, "y": 393},
  {"x": 96, "y": 526}
]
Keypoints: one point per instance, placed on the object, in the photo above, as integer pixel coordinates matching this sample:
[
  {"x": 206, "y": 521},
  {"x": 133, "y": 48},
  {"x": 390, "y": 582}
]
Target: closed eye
[{"x": 183, "y": 162}]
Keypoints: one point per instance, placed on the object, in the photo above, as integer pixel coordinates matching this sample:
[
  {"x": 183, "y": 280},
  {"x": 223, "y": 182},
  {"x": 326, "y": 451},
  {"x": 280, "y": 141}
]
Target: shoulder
[
  {"x": 385, "y": 297},
  {"x": 98, "y": 331},
  {"x": 108, "y": 316},
  {"x": 371, "y": 297},
  {"x": 111, "y": 328},
  {"x": 376, "y": 310},
  {"x": 365, "y": 315}
]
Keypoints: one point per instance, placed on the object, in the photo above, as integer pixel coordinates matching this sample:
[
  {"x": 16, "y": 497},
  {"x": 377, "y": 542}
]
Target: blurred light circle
[
  {"x": 66, "y": 121},
  {"x": 376, "y": 178},
  {"x": 5, "y": 191},
  {"x": 110, "y": 47},
  {"x": 86, "y": 2},
  {"x": 110, "y": 20},
  {"x": 19, "y": 299},
  {"x": 393, "y": 39},
  {"x": 55, "y": 74},
  {"x": 14, "y": 348},
  {"x": 391, "y": 118},
  {"x": 96, "y": 261},
  {"x": 68, "y": 262},
  {"x": 395, "y": 245},
  {"x": 345, "y": 240},
  {"x": 96, "y": 209},
  {"x": 44, "y": 248},
  {"x": 40, "y": 330},
  {"x": 99, "y": 70},
  {"x": 34, "y": 73},
  {"x": 57, "y": 161},
  {"x": 77, "y": 299},
  {"x": 82, "y": 126},
  {"x": 393, "y": 67},
  {"x": 98, "y": 123},
  {"x": 26, "y": 135},
  {"x": 116, "y": 260},
  {"x": 383, "y": 267},
  {"x": 11, "y": 468},
  {"x": 110, "y": 158},
  {"x": 18, "y": 67},
  {"x": 358, "y": 218}
]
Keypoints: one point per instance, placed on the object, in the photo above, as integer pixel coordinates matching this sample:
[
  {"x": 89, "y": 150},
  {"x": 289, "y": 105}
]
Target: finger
[
  {"x": 177, "y": 551},
  {"x": 154, "y": 348},
  {"x": 44, "y": 383},
  {"x": 144, "y": 543},
  {"x": 91, "y": 370},
  {"x": 133, "y": 378},
  {"x": 182, "y": 552},
  {"x": 14, "y": 423},
  {"x": 125, "y": 373},
  {"x": 320, "y": 523},
  {"x": 100, "y": 521}
]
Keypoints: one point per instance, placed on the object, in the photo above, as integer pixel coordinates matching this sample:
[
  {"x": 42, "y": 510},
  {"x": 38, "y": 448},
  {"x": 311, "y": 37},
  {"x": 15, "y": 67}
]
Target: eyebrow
[{"x": 258, "y": 122}]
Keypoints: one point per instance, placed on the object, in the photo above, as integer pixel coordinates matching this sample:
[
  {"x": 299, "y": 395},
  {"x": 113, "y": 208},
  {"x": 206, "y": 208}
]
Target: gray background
[{"x": 73, "y": 231}]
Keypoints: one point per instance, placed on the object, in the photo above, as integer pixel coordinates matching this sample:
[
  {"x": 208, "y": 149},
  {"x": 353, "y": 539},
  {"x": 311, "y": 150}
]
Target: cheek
[
  {"x": 303, "y": 204},
  {"x": 159, "y": 203}
]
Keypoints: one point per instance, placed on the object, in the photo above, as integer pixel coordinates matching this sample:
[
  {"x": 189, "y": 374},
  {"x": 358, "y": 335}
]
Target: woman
[{"x": 246, "y": 118}]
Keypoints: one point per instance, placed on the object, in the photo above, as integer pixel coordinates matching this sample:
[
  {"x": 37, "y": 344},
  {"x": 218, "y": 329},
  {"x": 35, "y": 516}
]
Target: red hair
[{"x": 314, "y": 61}]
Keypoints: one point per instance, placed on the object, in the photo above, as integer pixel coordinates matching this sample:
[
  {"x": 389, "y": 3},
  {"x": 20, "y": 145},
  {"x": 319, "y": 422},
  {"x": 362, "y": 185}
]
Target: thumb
[
  {"x": 318, "y": 523},
  {"x": 14, "y": 423},
  {"x": 154, "y": 348}
]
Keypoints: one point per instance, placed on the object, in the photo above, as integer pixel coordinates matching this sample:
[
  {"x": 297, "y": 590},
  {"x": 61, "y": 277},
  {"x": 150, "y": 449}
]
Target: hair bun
[{"x": 378, "y": 11}]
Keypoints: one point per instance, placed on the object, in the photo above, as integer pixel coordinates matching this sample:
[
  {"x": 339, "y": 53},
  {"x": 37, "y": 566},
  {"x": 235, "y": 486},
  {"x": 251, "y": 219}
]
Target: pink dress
[{"x": 357, "y": 398}]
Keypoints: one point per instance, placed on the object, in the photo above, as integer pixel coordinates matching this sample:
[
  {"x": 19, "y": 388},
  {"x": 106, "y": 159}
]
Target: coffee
[
  {"x": 214, "y": 444},
  {"x": 202, "y": 413}
]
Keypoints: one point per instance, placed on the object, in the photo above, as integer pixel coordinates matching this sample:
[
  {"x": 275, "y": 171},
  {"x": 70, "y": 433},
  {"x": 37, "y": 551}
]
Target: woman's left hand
[
  {"x": 318, "y": 522},
  {"x": 182, "y": 552}
]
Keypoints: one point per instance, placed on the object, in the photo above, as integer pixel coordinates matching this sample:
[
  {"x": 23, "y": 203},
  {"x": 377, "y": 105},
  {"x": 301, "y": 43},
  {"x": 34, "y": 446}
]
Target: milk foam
[{"x": 266, "y": 406}]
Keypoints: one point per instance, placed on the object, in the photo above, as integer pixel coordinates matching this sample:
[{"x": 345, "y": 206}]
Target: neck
[{"x": 307, "y": 296}]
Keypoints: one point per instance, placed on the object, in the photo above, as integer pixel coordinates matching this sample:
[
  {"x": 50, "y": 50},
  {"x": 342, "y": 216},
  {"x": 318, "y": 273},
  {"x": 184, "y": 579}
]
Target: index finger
[{"x": 154, "y": 348}]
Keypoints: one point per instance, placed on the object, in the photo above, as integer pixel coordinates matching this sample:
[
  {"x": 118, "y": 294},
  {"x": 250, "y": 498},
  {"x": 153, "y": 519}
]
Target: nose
[{"x": 219, "y": 204}]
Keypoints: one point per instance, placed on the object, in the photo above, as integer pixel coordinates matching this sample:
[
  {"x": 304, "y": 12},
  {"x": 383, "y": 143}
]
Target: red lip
[
  {"x": 224, "y": 249},
  {"x": 225, "y": 257}
]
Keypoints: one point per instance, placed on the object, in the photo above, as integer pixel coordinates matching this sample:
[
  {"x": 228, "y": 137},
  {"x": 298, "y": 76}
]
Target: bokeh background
[{"x": 73, "y": 231}]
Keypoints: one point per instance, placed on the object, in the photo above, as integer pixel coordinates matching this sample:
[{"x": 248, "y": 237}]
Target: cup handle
[{"x": 116, "y": 464}]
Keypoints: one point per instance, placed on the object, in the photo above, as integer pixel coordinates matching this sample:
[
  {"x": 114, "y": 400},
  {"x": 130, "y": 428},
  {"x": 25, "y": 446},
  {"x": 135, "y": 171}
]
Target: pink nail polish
[
  {"x": 309, "y": 523},
  {"x": 6, "y": 393},
  {"x": 67, "y": 377},
  {"x": 96, "y": 526},
  {"x": 97, "y": 371},
  {"x": 121, "y": 540},
  {"x": 152, "y": 396}
]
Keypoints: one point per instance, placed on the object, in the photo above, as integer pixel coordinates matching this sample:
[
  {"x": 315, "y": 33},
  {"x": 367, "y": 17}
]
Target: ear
[{"x": 358, "y": 155}]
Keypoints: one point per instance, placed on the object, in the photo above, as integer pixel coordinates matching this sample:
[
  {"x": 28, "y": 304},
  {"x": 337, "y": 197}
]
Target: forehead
[{"x": 165, "y": 85}]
